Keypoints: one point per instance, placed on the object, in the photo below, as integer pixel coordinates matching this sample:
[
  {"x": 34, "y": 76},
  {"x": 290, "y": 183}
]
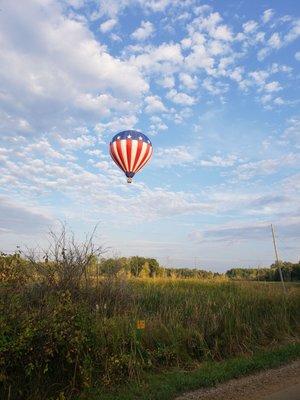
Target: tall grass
[{"x": 55, "y": 342}]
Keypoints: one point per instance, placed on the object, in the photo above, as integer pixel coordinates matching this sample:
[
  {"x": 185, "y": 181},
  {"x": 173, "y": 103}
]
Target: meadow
[{"x": 58, "y": 342}]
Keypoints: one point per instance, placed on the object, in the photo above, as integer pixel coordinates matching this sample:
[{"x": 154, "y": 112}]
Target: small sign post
[{"x": 140, "y": 324}]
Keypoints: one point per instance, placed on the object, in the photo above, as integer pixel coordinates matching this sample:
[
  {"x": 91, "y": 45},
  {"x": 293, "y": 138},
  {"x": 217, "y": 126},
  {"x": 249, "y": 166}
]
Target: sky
[{"x": 215, "y": 86}]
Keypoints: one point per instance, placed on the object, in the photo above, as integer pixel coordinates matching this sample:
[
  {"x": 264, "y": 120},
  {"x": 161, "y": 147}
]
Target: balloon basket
[{"x": 129, "y": 180}]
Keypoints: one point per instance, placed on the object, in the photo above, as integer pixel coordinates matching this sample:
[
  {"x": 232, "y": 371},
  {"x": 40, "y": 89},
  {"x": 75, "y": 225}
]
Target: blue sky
[{"x": 214, "y": 84}]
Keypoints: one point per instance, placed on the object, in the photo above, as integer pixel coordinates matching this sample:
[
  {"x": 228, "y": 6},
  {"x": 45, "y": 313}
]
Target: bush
[{"x": 56, "y": 343}]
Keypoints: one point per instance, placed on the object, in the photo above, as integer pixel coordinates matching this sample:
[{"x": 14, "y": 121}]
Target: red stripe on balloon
[
  {"x": 112, "y": 153},
  {"x": 128, "y": 150},
  {"x": 120, "y": 153}
]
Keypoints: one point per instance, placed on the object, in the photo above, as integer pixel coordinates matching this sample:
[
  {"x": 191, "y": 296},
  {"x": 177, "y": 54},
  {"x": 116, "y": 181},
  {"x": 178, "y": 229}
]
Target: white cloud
[
  {"x": 180, "y": 98},
  {"x": 79, "y": 142},
  {"x": 237, "y": 74},
  {"x": 215, "y": 88},
  {"x": 22, "y": 219},
  {"x": 272, "y": 86},
  {"x": 297, "y": 55},
  {"x": 266, "y": 98},
  {"x": 157, "y": 125},
  {"x": 265, "y": 167},
  {"x": 236, "y": 231},
  {"x": 103, "y": 104},
  {"x": 108, "y": 25},
  {"x": 275, "y": 41},
  {"x": 160, "y": 203},
  {"x": 292, "y": 132},
  {"x": 188, "y": 81},
  {"x": 279, "y": 101},
  {"x": 250, "y": 26},
  {"x": 159, "y": 5},
  {"x": 144, "y": 31},
  {"x": 186, "y": 43},
  {"x": 222, "y": 32},
  {"x": 181, "y": 115},
  {"x": 154, "y": 104},
  {"x": 202, "y": 9},
  {"x": 44, "y": 148},
  {"x": 163, "y": 59},
  {"x": 275, "y": 68},
  {"x": 116, "y": 124},
  {"x": 167, "y": 82},
  {"x": 259, "y": 79},
  {"x": 110, "y": 8},
  {"x": 262, "y": 53},
  {"x": 115, "y": 37},
  {"x": 260, "y": 37},
  {"x": 267, "y": 15},
  {"x": 199, "y": 58},
  {"x": 76, "y": 3},
  {"x": 294, "y": 32},
  {"x": 218, "y": 161},
  {"x": 210, "y": 24},
  {"x": 179, "y": 155},
  {"x": 224, "y": 63},
  {"x": 217, "y": 47},
  {"x": 113, "y": 8}
]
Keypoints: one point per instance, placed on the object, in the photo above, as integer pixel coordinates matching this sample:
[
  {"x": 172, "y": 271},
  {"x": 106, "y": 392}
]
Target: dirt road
[{"x": 276, "y": 384}]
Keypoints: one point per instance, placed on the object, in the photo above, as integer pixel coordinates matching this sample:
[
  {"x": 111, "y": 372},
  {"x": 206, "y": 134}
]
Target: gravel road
[{"x": 275, "y": 384}]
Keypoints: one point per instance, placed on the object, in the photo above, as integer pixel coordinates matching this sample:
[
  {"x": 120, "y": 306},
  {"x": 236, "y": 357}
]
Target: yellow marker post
[
  {"x": 140, "y": 324},
  {"x": 140, "y": 327}
]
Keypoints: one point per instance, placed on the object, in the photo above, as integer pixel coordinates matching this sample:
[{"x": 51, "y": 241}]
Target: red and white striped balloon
[{"x": 130, "y": 150}]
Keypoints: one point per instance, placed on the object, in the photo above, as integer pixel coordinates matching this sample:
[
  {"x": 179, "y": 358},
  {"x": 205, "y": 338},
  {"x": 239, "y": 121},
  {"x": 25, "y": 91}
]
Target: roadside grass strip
[{"x": 167, "y": 385}]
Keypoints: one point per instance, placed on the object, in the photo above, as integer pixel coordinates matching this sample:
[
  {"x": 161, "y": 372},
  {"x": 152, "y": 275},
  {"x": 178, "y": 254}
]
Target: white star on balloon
[
  {"x": 140, "y": 138},
  {"x": 119, "y": 137},
  {"x": 129, "y": 136}
]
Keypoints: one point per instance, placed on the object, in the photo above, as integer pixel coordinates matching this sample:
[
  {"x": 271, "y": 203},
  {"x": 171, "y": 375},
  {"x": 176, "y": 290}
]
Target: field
[{"x": 59, "y": 343}]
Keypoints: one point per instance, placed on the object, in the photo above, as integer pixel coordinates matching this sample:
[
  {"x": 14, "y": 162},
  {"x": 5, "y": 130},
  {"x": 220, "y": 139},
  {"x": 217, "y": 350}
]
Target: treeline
[
  {"x": 290, "y": 272},
  {"x": 17, "y": 268},
  {"x": 148, "y": 267}
]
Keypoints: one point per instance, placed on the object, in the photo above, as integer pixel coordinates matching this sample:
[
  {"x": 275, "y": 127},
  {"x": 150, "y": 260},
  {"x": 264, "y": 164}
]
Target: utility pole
[{"x": 277, "y": 259}]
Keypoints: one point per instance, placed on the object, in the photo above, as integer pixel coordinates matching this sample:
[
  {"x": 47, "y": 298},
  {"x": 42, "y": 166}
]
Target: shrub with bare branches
[{"x": 66, "y": 263}]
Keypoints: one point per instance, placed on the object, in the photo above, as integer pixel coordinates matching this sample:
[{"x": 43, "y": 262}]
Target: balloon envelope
[{"x": 130, "y": 150}]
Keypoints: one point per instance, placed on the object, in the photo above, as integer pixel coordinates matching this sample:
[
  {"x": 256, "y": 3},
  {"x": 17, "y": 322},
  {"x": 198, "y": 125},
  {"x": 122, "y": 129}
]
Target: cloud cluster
[
  {"x": 144, "y": 31},
  {"x": 22, "y": 219},
  {"x": 244, "y": 232},
  {"x": 65, "y": 76}
]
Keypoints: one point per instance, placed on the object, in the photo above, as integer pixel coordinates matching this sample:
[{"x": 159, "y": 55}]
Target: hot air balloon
[{"x": 130, "y": 150}]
